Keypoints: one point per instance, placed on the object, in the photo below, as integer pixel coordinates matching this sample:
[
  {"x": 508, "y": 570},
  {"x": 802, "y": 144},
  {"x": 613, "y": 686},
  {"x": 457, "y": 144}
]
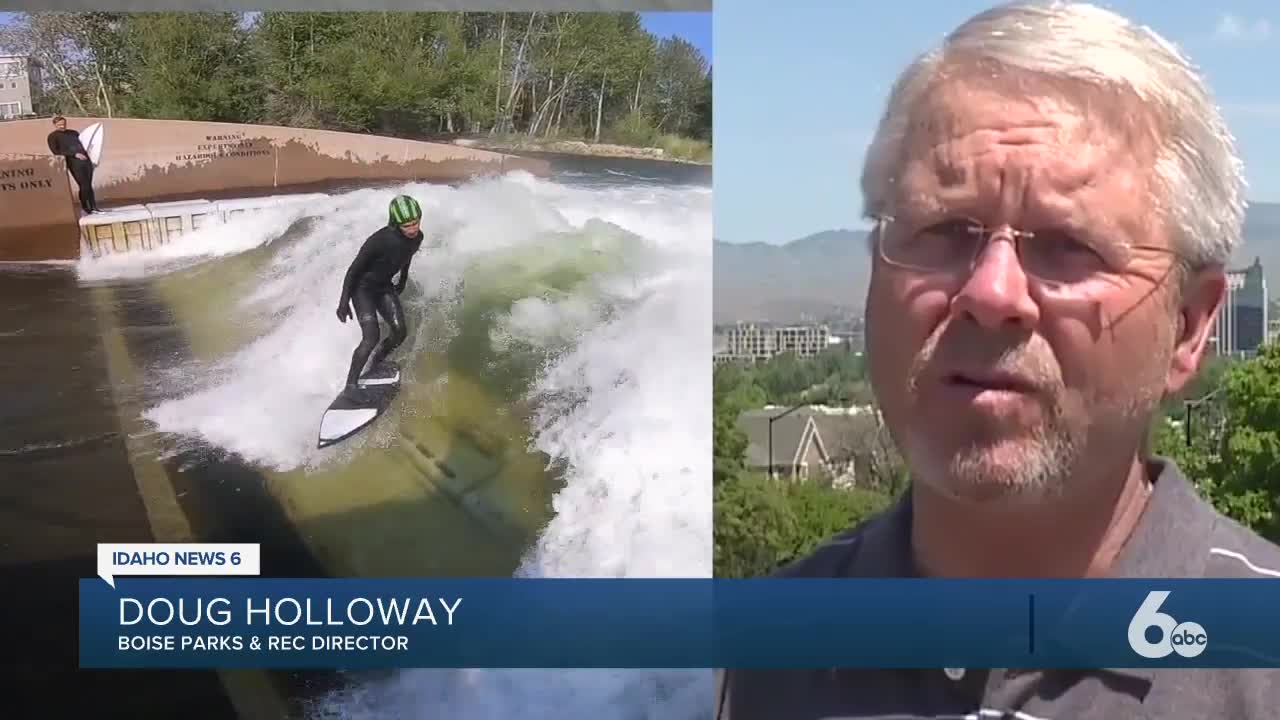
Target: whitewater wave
[
  {"x": 604, "y": 292},
  {"x": 623, "y": 409},
  {"x": 215, "y": 240}
]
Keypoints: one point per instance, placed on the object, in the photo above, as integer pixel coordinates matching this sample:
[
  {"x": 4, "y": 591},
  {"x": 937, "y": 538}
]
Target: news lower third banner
[{"x": 240, "y": 622}]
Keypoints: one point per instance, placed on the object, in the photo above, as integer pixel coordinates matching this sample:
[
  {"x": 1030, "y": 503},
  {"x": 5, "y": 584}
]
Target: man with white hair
[{"x": 1055, "y": 198}]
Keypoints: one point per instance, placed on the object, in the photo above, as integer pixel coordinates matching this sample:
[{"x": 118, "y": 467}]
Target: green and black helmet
[{"x": 405, "y": 209}]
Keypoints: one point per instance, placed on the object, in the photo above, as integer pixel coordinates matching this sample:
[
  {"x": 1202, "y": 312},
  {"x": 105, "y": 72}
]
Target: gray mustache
[{"x": 945, "y": 353}]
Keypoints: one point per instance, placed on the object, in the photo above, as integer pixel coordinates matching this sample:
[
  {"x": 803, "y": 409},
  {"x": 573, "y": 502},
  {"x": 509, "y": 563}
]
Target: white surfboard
[
  {"x": 346, "y": 417},
  {"x": 91, "y": 138}
]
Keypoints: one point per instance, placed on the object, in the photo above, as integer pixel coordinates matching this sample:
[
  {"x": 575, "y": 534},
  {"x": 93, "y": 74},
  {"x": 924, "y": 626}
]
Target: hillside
[
  {"x": 813, "y": 277},
  {"x": 826, "y": 274}
]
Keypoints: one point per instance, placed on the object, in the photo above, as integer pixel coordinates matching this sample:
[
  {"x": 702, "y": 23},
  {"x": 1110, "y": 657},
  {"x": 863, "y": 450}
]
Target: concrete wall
[
  {"x": 161, "y": 160},
  {"x": 39, "y": 215}
]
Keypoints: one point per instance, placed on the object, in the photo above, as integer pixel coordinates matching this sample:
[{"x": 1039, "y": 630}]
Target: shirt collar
[
  {"x": 1167, "y": 543},
  {"x": 1174, "y": 523}
]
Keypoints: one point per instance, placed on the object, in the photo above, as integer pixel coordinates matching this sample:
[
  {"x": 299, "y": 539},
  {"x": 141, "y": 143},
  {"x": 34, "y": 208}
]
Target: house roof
[
  {"x": 788, "y": 435},
  {"x": 845, "y": 434},
  {"x": 837, "y": 433}
]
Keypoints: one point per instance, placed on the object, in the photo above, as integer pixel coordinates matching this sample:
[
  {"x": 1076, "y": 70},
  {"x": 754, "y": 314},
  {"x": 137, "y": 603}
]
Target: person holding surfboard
[
  {"x": 66, "y": 143},
  {"x": 368, "y": 286}
]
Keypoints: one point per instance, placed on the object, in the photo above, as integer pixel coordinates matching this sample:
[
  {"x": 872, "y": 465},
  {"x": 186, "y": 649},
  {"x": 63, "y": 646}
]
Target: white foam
[
  {"x": 638, "y": 498},
  {"x": 19, "y": 264},
  {"x": 633, "y": 344},
  {"x": 216, "y": 239}
]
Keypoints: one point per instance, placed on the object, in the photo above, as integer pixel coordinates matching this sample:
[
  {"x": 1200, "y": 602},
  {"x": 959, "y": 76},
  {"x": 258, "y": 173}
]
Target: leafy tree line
[
  {"x": 1210, "y": 377},
  {"x": 1234, "y": 451},
  {"x": 600, "y": 76},
  {"x": 833, "y": 376},
  {"x": 760, "y": 523}
]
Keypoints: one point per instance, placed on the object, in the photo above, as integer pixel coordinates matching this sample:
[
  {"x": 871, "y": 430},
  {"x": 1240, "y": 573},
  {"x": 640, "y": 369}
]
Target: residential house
[{"x": 831, "y": 445}]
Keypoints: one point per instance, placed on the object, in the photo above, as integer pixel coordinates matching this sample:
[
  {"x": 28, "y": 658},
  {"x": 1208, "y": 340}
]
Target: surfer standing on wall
[
  {"x": 368, "y": 287},
  {"x": 66, "y": 143}
]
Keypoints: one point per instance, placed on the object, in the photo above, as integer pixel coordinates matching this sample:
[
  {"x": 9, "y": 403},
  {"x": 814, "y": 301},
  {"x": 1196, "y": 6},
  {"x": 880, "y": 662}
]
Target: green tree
[
  {"x": 762, "y": 523},
  {"x": 733, "y": 390},
  {"x": 729, "y": 443},
  {"x": 682, "y": 73},
  {"x": 1208, "y": 379},
  {"x": 404, "y": 74},
  {"x": 85, "y": 56},
  {"x": 823, "y": 511},
  {"x": 754, "y": 526},
  {"x": 190, "y": 66},
  {"x": 831, "y": 376},
  {"x": 702, "y": 121},
  {"x": 1235, "y": 462}
]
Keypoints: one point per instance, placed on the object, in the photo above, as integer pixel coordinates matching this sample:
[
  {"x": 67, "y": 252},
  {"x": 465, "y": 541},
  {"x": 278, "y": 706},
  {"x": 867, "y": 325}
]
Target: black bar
[{"x": 1031, "y": 621}]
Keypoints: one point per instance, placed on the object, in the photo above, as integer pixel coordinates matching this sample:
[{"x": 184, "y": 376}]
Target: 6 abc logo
[{"x": 1188, "y": 639}]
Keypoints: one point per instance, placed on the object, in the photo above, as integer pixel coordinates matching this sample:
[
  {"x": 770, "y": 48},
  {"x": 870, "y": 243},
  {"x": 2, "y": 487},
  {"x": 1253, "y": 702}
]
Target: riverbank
[{"x": 669, "y": 148}]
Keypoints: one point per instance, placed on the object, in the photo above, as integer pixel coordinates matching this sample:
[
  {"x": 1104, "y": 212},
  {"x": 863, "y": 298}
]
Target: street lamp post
[
  {"x": 1189, "y": 405},
  {"x": 772, "y": 419}
]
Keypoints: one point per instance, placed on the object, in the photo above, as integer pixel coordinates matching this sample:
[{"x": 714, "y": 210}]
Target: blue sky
[
  {"x": 694, "y": 27},
  {"x": 798, "y": 93}
]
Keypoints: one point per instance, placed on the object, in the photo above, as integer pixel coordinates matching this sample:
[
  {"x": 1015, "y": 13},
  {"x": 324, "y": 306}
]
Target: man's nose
[{"x": 997, "y": 290}]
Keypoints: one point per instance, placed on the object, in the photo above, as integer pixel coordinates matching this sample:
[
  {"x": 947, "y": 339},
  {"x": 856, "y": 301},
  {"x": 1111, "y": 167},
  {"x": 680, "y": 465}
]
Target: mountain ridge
[{"x": 824, "y": 275}]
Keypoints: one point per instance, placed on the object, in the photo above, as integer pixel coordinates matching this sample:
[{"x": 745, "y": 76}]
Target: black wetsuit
[
  {"x": 67, "y": 144},
  {"x": 369, "y": 288}
]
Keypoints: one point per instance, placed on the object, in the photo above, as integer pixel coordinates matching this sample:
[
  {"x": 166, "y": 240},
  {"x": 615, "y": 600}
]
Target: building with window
[
  {"x": 749, "y": 342},
  {"x": 20, "y": 84},
  {"x": 1242, "y": 325}
]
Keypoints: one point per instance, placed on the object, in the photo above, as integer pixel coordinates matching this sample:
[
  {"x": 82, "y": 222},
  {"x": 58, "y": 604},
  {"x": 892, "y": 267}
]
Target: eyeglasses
[{"x": 1060, "y": 261}]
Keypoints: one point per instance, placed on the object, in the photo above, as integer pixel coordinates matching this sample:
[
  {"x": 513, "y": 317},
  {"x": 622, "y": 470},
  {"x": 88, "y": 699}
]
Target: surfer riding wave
[{"x": 368, "y": 287}]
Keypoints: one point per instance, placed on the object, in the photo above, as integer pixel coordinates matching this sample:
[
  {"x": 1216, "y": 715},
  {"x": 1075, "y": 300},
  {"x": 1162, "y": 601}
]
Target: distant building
[
  {"x": 1273, "y": 322},
  {"x": 1243, "y": 324},
  {"x": 20, "y": 84},
  {"x": 749, "y": 342},
  {"x": 719, "y": 346},
  {"x": 851, "y": 340}
]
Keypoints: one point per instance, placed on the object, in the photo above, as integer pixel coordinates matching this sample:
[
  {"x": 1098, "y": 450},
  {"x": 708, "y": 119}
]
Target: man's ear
[{"x": 1201, "y": 298}]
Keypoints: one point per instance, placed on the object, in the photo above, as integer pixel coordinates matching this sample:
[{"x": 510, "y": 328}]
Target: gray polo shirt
[{"x": 1178, "y": 536}]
